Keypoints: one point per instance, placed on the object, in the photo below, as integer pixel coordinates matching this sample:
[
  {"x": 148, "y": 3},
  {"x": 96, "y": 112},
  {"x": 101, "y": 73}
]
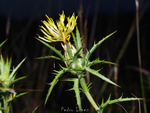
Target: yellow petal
[
  {"x": 14, "y": 95},
  {"x": 11, "y": 97},
  {"x": 60, "y": 32}
]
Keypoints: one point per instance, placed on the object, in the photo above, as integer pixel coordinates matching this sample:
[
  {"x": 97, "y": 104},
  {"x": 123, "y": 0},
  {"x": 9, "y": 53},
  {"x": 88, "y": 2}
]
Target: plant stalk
[
  {"x": 6, "y": 107},
  {"x": 87, "y": 93},
  {"x": 139, "y": 53}
]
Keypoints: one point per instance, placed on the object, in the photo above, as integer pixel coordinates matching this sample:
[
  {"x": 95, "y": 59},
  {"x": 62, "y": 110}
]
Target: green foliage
[
  {"x": 76, "y": 90},
  {"x": 77, "y": 39},
  {"x": 96, "y": 45},
  {"x": 18, "y": 95},
  {"x": 56, "y": 79},
  {"x": 77, "y": 63},
  {"x": 13, "y": 73},
  {"x": 6, "y": 75},
  {"x": 3, "y": 43},
  {"x": 7, "y": 79},
  {"x": 35, "y": 109},
  {"x": 87, "y": 93},
  {"x": 69, "y": 51},
  {"x": 109, "y": 102},
  {"x": 55, "y": 50},
  {"x": 97, "y": 61},
  {"x": 96, "y": 73},
  {"x": 48, "y": 57}
]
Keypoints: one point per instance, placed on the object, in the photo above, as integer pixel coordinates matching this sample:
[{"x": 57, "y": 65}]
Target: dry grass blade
[{"x": 138, "y": 101}]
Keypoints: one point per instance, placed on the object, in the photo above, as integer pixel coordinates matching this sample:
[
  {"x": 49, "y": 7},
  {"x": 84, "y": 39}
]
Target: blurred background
[{"x": 19, "y": 23}]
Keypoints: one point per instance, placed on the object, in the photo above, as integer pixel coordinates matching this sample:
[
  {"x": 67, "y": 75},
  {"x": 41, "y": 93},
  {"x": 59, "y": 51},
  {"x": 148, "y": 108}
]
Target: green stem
[
  {"x": 88, "y": 95},
  {"x": 6, "y": 107},
  {"x": 76, "y": 87}
]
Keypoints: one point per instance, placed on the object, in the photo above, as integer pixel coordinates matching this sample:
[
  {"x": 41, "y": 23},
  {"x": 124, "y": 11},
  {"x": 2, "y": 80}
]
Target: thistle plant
[
  {"x": 75, "y": 61},
  {"x": 7, "y": 80}
]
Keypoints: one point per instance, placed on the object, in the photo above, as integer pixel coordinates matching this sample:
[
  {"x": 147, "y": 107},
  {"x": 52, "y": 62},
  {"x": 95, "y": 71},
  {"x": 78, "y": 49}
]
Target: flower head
[
  {"x": 7, "y": 75},
  {"x": 61, "y": 32},
  {"x": 5, "y": 72}
]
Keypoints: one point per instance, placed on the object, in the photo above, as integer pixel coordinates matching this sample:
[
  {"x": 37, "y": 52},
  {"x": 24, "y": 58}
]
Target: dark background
[{"x": 20, "y": 21}]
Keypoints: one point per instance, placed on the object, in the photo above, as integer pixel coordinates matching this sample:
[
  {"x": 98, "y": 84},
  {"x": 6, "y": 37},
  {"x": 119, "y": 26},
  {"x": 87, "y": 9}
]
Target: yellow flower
[
  {"x": 60, "y": 32},
  {"x": 12, "y": 96}
]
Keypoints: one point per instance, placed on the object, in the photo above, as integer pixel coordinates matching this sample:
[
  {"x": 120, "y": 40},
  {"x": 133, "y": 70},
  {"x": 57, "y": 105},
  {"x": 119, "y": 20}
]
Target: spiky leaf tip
[{"x": 95, "y": 72}]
